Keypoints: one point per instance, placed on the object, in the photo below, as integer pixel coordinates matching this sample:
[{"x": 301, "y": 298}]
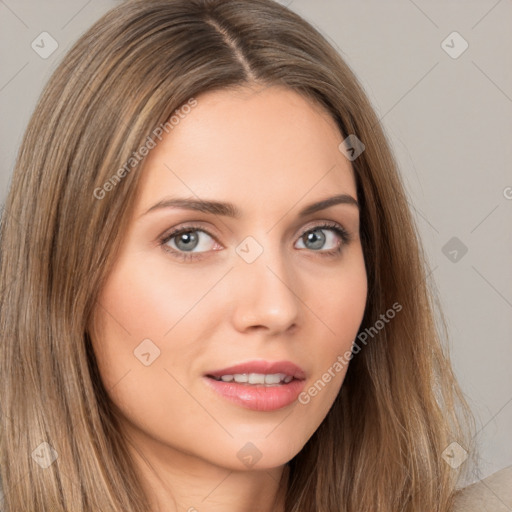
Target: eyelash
[{"x": 339, "y": 230}]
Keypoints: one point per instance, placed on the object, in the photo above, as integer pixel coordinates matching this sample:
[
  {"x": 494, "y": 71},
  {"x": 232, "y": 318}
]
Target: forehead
[{"x": 247, "y": 146}]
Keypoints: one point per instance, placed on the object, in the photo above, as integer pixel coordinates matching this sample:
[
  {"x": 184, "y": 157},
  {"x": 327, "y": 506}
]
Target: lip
[
  {"x": 265, "y": 367},
  {"x": 259, "y": 397}
]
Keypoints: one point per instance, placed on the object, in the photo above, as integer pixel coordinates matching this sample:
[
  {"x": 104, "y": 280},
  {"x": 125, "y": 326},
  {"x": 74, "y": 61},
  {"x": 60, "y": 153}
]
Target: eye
[
  {"x": 317, "y": 237},
  {"x": 182, "y": 242}
]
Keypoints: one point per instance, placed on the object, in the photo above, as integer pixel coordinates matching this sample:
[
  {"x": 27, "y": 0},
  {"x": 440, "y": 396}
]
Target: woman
[{"x": 214, "y": 296}]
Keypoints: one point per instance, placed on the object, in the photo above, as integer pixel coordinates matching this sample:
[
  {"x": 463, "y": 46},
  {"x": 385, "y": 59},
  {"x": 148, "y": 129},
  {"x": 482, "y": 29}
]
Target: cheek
[
  {"x": 149, "y": 297},
  {"x": 145, "y": 318},
  {"x": 136, "y": 305},
  {"x": 339, "y": 309},
  {"x": 340, "y": 303}
]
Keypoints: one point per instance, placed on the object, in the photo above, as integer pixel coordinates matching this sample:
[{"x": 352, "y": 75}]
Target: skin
[{"x": 271, "y": 152}]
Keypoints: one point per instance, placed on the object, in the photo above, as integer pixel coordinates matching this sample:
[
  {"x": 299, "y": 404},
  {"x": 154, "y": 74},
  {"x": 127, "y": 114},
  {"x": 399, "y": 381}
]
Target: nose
[{"x": 263, "y": 296}]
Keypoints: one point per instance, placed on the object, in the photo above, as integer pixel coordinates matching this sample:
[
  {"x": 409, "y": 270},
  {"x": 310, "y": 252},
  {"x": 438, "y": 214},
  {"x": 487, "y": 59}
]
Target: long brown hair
[{"x": 380, "y": 447}]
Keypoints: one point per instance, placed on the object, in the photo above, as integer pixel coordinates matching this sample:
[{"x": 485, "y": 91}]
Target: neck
[{"x": 175, "y": 481}]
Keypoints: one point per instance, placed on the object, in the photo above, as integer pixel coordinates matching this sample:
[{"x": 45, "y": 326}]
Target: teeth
[
  {"x": 272, "y": 379},
  {"x": 257, "y": 378}
]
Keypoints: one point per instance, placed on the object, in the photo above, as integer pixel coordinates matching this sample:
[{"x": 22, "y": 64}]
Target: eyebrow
[{"x": 230, "y": 210}]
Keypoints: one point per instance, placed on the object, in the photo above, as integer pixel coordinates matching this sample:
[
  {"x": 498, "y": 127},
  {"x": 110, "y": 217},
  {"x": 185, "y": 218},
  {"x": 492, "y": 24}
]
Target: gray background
[{"x": 449, "y": 121}]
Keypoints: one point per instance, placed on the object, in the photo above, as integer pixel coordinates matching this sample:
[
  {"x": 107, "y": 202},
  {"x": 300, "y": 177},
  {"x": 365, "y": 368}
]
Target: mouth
[
  {"x": 258, "y": 385},
  {"x": 255, "y": 379},
  {"x": 263, "y": 373}
]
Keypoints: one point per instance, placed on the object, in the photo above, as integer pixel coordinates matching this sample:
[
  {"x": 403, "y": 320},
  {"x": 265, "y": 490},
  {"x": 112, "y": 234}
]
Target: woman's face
[{"x": 269, "y": 290}]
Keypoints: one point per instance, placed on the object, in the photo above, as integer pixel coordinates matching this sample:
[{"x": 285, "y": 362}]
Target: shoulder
[{"x": 492, "y": 494}]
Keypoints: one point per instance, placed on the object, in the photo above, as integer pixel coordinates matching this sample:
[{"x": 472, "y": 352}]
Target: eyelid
[{"x": 186, "y": 227}]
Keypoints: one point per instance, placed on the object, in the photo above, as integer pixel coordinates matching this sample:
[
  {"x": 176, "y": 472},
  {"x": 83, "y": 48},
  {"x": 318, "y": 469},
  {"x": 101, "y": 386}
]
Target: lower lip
[{"x": 258, "y": 397}]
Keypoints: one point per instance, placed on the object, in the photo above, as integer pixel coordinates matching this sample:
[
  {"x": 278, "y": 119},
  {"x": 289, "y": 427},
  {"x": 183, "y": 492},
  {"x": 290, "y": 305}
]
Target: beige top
[{"x": 492, "y": 494}]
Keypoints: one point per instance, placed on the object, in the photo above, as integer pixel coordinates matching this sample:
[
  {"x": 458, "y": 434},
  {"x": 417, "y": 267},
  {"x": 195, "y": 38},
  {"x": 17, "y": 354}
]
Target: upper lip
[{"x": 263, "y": 367}]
